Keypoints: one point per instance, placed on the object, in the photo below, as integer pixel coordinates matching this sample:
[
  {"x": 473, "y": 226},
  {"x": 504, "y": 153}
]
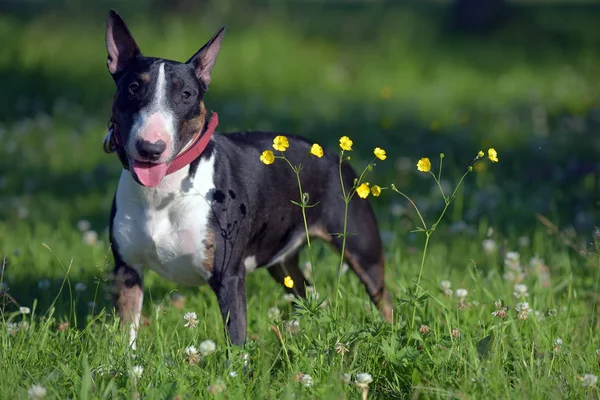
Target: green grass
[{"x": 392, "y": 77}]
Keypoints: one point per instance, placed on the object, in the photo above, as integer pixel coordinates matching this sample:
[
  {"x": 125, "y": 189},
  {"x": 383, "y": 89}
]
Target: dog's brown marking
[
  {"x": 190, "y": 128},
  {"x": 208, "y": 264},
  {"x": 128, "y": 294}
]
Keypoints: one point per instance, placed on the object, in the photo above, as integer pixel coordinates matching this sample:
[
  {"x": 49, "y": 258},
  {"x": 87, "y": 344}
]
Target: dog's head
[{"x": 158, "y": 103}]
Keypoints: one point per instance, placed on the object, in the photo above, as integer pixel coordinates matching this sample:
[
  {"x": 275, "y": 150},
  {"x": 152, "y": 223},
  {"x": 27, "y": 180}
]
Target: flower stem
[
  {"x": 427, "y": 236},
  {"x": 344, "y": 234}
]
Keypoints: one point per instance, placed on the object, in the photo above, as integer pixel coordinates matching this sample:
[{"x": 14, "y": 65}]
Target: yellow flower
[
  {"x": 345, "y": 143},
  {"x": 363, "y": 190},
  {"x": 316, "y": 150},
  {"x": 380, "y": 153},
  {"x": 493, "y": 155},
  {"x": 480, "y": 154},
  {"x": 280, "y": 143},
  {"x": 267, "y": 157},
  {"x": 386, "y": 92},
  {"x": 376, "y": 190},
  {"x": 424, "y": 165},
  {"x": 288, "y": 282}
]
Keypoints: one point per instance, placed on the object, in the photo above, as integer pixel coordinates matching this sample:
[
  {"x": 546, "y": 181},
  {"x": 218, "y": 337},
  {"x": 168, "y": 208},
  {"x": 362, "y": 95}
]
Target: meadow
[{"x": 508, "y": 303}]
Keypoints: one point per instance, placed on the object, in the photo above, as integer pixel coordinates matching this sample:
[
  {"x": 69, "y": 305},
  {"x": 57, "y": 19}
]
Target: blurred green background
[{"x": 414, "y": 77}]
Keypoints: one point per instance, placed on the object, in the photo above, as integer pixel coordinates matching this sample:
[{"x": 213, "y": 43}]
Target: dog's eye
[
  {"x": 134, "y": 87},
  {"x": 186, "y": 94}
]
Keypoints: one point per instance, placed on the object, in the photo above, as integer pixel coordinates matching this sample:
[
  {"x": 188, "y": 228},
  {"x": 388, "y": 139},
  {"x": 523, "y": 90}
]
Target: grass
[{"x": 389, "y": 77}]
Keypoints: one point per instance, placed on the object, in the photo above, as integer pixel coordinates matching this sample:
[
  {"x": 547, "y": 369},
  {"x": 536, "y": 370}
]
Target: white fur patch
[{"x": 164, "y": 228}]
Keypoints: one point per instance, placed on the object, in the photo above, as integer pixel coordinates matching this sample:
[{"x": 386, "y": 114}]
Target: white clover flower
[
  {"x": 489, "y": 246},
  {"x": 274, "y": 313},
  {"x": 523, "y": 310},
  {"x": 552, "y": 312},
  {"x": 448, "y": 292},
  {"x": 90, "y": 238},
  {"x": 289, "y": 297},
  {"x": 24, "y": 310},
  {"x": 512, "y": 257},
  {"x": 306, "y": 380},
  {"x": 12, "y": 328},
  {"x": 362, "y": 380},
  {"x": 233, "y": 374},
  {"x": 523, "y": 241},
  {"x": 520, "y": 291},
  {"x": 84, "y": 225},
  {"x": 558, "y": 342},
  {"x": 536, "y": 262},
  {"x": 589, "y": 380},
  {"x": 207, "y": 347},
  {"x": 44, "y": 284},
  {"x": 191, "y": 351},
  {"x": 312, "y": 292},
  {"x": 80, "y": 287},
  {"x": 346, "y": 378},
  {"x": 191, "y": 319},
  {"x": 444, "y": 285},
  {"x": 37, "y": 392},
  {"x": 292, "y": 326},
  {"x": 137, "y": 371},
  {"x": 461, "y": 293}
]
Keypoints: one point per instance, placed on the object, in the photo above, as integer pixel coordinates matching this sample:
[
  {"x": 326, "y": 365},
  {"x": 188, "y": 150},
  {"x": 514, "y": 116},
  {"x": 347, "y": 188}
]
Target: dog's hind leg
[
  {"x": 290, "y": 267},
  {"x": 128, "y": 298},
  {"x": 363, "y": 251}
]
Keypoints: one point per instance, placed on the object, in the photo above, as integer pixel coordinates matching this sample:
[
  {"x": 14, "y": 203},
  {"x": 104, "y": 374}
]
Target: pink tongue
[{"x": 149, "y": 174}]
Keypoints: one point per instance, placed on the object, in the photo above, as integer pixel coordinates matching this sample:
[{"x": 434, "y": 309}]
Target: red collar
[{"x": 113, "y": 142}]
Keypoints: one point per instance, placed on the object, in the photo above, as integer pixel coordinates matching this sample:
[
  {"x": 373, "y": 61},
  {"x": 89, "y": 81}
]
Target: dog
[{"x": 199, "y": 206}]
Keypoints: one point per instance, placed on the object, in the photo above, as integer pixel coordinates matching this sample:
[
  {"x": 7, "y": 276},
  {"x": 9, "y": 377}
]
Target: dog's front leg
[
  {"x": 231, "y": 295},
  {"x": 128, "y": 298}
]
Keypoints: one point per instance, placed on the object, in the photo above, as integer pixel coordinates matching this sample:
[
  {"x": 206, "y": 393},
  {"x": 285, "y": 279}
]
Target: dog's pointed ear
[
  {"x": 204, "y": 60},
  {"x": 120, "y": 45}
]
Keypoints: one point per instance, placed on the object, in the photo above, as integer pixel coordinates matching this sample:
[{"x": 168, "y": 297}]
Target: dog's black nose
[{"x": 151, "y": 151}]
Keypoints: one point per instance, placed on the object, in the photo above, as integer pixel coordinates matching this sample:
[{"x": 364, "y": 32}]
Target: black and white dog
[{"x": 195, "y": 207}]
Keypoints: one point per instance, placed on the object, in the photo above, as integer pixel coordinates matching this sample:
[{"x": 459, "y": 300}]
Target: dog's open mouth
[{"x": 147, "y": 173}]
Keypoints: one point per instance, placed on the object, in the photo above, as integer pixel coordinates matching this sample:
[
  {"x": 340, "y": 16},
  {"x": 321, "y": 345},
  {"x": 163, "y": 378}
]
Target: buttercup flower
[
  {"x": 493, "y": 155},
  {"x": 280, "y": 143},
  {"x": 316, "y": 150},
  {"x": 288, "y": 282},
  {"x": 380, "y": 153},
  {"x": 267, "y": 157},
  {"x": 346, "y": 143},
  {"x": 376, "y": 190},
  {"x": 363, "y": 190},
  {"x": 480, "y": 154},
  {"x": 424, "y": 165}
]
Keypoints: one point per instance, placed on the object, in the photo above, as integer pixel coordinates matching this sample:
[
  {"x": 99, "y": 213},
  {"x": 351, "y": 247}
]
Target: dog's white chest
[{"x": 166, "y": 228}]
